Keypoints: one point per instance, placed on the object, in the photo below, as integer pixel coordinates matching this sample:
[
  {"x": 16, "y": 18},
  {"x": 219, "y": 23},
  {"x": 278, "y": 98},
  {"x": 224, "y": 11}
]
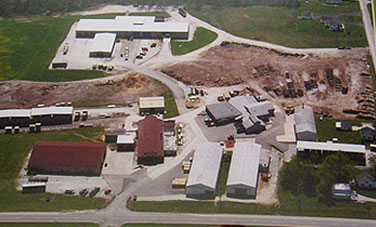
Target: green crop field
[
  {"x": 14, "y": 149},
  {"x": 281, "y": 25},
  {"x": 202, "y": 37},
  {"x": 28, "y": 45}
]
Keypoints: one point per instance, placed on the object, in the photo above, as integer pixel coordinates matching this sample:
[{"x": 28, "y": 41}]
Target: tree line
[{"x": 9, "y": 8}]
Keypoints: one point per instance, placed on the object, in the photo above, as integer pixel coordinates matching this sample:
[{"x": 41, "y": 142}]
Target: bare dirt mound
[
  {"x": 121, "y": 90},
  {"x": 331, "y": 83}
]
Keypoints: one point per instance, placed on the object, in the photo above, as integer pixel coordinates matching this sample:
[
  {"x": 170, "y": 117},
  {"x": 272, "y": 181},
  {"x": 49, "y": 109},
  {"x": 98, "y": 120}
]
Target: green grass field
[
  {"x": 54, "y": 224},
  {"x": 28, "y": 45},
  {"x": 351, "y": 18},
  {"x": 280, "y": 25},
  {"x": 222, "y": 180},
  {"x": 202, "y": 37},
  {"x": 14, "y": 149},
  {"x": 155, "y": 13},
  {"x": 170, "y": 104},
  {"x": 326, "y": 130}
]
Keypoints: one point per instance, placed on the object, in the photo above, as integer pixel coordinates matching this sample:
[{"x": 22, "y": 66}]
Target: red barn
[
  {"x": 150, "y": 141},
  {"x": 67, "y": 158}
]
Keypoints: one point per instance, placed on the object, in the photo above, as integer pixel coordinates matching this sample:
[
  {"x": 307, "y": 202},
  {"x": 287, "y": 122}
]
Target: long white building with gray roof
[
  {"x": 305, "y": 125},
  {"x": 203, "y": 176},
  {"x": 243, "y": 175}
]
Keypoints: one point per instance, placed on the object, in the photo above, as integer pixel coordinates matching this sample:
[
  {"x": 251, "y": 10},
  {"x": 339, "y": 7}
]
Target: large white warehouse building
[
  {"x": 243, "y": 175},
  {"x": 202, "y": 180},
  {"x": 132, "y": 26}
]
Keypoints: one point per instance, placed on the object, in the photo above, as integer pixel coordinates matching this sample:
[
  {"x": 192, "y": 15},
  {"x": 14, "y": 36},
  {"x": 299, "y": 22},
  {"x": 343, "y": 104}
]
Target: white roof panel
[
  {"x": 304, "y": 119},
  {"x": 125, "y": 139},
  {"x": 130, "y": 24},
  {"x": 206, "y": 165},
  {"x": 330, "y": 146},
  {"x": 244, "y": 164},
  {"x": 103, "y": 42},
  {"x": 152, "y": 102},
  {"x": 52, "y": 110},
  {"x": 15, "y": 113}
]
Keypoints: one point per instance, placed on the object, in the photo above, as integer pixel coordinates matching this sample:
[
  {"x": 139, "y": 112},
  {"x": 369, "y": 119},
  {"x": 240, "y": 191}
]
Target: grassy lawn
[
  {"x": 155, "y": 13},
  {"x": 170, "y": 104},
  {"x": 351, "y": 18},
  {"x": 28, "y": 45},
  {"x": 326, "y": 130},
  {"x": 222, "y": 180},
  {"x": 202, "y": 37},
  {"x": 367, "y": 192},
  {"x": 281, "y": 25},
  {"x": 53, "y": 224},
  {"x": 14, "y": 149}
]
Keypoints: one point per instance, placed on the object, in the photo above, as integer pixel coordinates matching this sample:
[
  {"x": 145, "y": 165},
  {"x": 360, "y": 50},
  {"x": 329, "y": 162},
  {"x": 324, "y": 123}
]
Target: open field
[
  {"x": 14, "y": 151},
  {"x": 170, "y": 104},
  {"x": 48, "y": 224},
  {"x": 264, "y": 70},
  {"x": 350, "y": 18},
  {"x": 119, "y": 91},
  {"x": 222, "y": 179},
  {"x": 202, "y": 37},
  {"x": 28, "y": 45},
  {"x": 281, "y": 25},
  {"x": 155, "y": 13}
]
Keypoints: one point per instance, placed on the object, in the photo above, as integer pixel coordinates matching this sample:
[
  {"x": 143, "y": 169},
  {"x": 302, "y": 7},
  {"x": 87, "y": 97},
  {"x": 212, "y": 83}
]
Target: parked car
[
  {"x": 84, "y": 192},
  {"x": 94, "y": 192},
  {"x": 139, "y": 57},
  {"x": 153, "y": 45},
  {"x": 142, "y": 53},
  {"x": 107, "y": 191},
  {"x": 69, "y": 192}
]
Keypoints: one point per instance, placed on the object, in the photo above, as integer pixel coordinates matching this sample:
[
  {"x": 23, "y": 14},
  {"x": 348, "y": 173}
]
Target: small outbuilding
[
  {"x": 344, "y": 126},
  {"x": 341, "y": 191},
  {"x": 102, "y": 45},
  {"x": 305, "y": 125},
  {"x": 37, "y": 187},
  {"x": 307, "y": 15},
  {"x": 244, "y": 168},
  {"x": 125, "y": 143},
  {"x": 367, "y": 133},
  {"x": 203, "y": 176},
  {"x": 151, "y": 105}
]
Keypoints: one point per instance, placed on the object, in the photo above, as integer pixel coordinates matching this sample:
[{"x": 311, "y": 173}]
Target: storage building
[
  {"x": 305, "y": 125},
  {"x": 203, "y": 176},
  {"x": 222, "y": 113},
  {"x": 111, "y": 136},
  {"x": 151, "y": 105},
  {"x": 243, "y": 175},
  {"x": 102, "y": 45},
  {"x": 356, "y": 152},
  {"x": 150, "y": 141},
  {"x": 15, "y": 117},
  {"x": 52, "y": 115},
  {"x": 67, "y": 158},
  {"x": 34, "y": 188},
  {"x": 367, "y": 133},
  {"x": 139, "y": 27},
  {"x": 125, "y": 143}
]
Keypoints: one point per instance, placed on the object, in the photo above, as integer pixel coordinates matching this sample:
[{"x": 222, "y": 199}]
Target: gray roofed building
[
  {"x": 102, "y": 45},
  {"x": 305, "y": 125},
  {"x": 365, "y": 180},
  {"x": 307, "y": 15},
  {"x": 222, "y": 113},
  {"x": 243, "y": 174},
  {"x": 203, "y": 176},
  {"x": 240, "y": 102}
]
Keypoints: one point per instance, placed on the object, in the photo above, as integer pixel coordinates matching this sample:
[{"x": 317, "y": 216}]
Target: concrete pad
[{"x": 118, "y": 163}]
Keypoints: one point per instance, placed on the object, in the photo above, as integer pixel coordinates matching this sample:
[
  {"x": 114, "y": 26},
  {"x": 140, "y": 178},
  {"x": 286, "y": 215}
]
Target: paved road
[{"x": 369, "y": 29}]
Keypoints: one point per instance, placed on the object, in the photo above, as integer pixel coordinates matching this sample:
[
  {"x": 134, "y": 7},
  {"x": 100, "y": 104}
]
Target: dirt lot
[
  {"x": 328, "y": 84},
  {"x": 120, "y": 90}
]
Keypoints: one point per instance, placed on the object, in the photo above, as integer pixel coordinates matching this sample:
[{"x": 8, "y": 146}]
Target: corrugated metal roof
[
  {"x": 330, "y": 146},
  {"x": 67, "y": 154},
  {"x": 206, "y": 165},
  {"x": 125, "y": 139},
  {"x": 52, "y": 110},
  {"x": 304, "y": 119},
  {"x": 244, "y": 164},
  {"x": 223, "y": 110},
  {"x": 150, "y": 136},
  {"x": 152, "y": 102},
  {"x": 240, "y": 102},
  {"x": 130, "y": 24},
  {"x": 341, "y": 187},
  {"x": 103, "y": 42},
  {"x": 15, "y": 113}
]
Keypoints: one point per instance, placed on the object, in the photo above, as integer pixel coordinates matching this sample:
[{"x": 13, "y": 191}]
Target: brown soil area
[
  {"x": 328, "y": 84},
  {"x": 119, "y": 90}
]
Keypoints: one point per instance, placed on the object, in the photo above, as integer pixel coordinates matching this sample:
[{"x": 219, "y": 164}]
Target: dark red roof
[
  {"x": 67, "y": 154},
  {"x": 230, "y": 143},
  {"x": 150, "y": 136}
]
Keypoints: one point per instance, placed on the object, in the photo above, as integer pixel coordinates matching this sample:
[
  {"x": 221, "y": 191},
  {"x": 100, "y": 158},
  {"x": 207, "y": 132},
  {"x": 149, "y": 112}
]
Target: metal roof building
[
  {"x": 330, "y": 146},
  {"x": 151, "y": 105},
  {"x": 125, "y": 143},
  {"x": 52, "y": 115},
  {"x": 15, "y": 117},
  {"x": 67, "y": 158},
  {"x": 305, "y": 125},
  {"x": 203, "y": 176},
  {"x": 243, "y": 175},
  {"x": 102, "y": 45},
  {"x": 52, "y": 110},
  {"x": 222, "y": 113},
  {"x": 135, "y": 26},
  {"x": 9, "y": 113}
]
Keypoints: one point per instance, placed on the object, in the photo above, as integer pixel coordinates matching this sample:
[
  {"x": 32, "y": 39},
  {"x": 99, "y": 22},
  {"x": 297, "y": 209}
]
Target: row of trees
[
  {"x": 30, "y": 7},
  {"x": 299, "y": 178}
]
